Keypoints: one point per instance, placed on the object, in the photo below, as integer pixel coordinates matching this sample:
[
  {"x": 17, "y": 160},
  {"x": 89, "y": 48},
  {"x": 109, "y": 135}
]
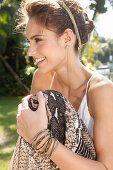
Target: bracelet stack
[{"x": 45, "y": 143}]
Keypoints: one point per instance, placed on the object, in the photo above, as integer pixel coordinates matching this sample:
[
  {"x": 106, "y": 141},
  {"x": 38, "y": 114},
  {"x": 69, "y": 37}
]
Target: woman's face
[{"x": 47, "y": 49}]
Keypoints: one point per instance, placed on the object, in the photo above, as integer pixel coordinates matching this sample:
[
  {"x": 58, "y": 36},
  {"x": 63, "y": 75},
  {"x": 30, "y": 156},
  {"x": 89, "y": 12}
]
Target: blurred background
[{"x": 16, "y": 68}]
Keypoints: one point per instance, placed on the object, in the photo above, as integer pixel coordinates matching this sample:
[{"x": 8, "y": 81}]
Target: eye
[{"x": 37, "y": 40}]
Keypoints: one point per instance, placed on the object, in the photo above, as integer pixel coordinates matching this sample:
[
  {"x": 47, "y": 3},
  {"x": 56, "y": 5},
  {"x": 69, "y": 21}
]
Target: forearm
[{"x": 65, "y": 159}]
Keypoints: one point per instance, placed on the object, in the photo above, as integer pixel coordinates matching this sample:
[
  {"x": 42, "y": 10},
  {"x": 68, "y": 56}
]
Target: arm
[
  {"x": 40, "y": 82},
  {"x": 34, "y": 89},
  {"x": 101, "y": 98},
  {"x": 63, "y": 157},
  {"x": 35, "y": 83}
]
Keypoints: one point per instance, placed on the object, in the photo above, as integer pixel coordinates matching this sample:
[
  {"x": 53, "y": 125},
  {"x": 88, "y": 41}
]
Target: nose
[{"x": 32, "y": 51}]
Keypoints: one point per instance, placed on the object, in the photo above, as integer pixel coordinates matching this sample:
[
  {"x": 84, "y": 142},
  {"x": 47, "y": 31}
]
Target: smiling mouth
[{"x": 39, "y": 61}]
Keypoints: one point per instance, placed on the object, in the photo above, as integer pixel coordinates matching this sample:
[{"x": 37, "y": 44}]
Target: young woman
[{"x": 56, "y": 31}]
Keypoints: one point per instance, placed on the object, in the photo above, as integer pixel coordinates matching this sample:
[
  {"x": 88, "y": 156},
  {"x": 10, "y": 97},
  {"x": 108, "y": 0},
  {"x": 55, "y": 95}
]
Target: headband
[{"x": 73, "y": 21}]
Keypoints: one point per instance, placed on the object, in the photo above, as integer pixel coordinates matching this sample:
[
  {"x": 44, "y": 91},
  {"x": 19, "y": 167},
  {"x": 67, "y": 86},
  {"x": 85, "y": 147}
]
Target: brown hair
[{"x": 55, "y": 17}]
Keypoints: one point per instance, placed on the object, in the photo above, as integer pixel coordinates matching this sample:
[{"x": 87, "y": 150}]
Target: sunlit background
[
  {"x": 103, "y": 23},
  {"x": 16, "y": 68}
]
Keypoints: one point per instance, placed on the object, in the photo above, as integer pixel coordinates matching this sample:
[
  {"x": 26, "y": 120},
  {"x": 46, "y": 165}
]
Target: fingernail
[{"x": 40, "y": 93}]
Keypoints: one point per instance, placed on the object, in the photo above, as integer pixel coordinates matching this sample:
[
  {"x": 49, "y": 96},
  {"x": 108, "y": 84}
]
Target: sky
[{"x": 104, "y": 23}]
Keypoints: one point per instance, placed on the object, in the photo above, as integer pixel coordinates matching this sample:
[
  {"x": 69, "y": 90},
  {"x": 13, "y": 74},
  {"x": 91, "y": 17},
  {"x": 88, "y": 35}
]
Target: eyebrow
[{"x": 37, "y": 35}]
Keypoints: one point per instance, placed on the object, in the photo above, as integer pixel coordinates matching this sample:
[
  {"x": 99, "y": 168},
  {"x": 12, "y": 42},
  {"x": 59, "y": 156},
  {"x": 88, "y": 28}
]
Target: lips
[{"x": 39, "y": 60}]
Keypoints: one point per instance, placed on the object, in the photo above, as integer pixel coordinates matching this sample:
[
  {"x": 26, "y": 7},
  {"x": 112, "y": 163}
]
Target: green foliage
[
  {"x": 106, "y": 49},
  {"x": 91, "y": 51},
  {"x": 98, "y": 50},
  {"x": 12, "y": 48},
  {"x": 98, "y": 6}
]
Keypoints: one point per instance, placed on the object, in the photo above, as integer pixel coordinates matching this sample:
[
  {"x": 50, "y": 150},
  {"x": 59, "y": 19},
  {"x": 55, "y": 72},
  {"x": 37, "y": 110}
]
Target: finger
[
  {"x": 19, "y": 132},
  {"x": 19, "y": 109},
  {"x": 20, "y": 123},
  {"x": 25, "y": 101},
  {"x": 27, "y": 97},
  {"x": 17, "y": 123},
  {"x": 41, "y": 99}
]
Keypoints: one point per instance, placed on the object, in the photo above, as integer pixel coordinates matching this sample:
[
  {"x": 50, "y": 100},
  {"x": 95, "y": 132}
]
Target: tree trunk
[
  {"x": 13, "y": 73},
  {"x": 94, "y": 15}
]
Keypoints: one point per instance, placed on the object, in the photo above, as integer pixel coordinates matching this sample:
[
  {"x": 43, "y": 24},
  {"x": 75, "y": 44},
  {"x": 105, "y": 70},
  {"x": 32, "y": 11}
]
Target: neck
[{"x": 72, "y": 76}]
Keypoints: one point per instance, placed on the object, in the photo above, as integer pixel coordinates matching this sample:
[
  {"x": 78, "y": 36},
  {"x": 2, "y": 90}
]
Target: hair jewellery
[{"x": 61, "y": 3}]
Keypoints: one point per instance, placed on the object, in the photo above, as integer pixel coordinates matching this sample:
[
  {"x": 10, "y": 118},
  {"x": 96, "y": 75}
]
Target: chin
[{"x": 44, "y": 71}]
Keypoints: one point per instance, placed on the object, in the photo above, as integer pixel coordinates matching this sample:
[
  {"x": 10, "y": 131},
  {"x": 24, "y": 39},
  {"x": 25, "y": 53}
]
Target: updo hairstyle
[{"x": 54, "y": 17}]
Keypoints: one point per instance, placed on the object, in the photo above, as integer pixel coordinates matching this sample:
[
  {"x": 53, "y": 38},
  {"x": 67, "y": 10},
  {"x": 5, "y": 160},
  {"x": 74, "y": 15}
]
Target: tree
[
  {"x": 11, "y": 49},
  {"x": 93, "y": 47},
  {"x": 107, "y": 50},
  {"x": 98, "y": 6}
]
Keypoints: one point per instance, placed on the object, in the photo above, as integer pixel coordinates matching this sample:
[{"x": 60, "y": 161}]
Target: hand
[{"x": 29, "y": 122}]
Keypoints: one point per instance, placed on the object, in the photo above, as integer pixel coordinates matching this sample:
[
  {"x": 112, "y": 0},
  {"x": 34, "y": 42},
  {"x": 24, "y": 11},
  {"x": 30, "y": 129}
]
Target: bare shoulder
[
  {"x": 100, "y": 97},
  {"x": 100, "y": 84},
  {"x": 100, "y": 93},
  {"x": 100, "y": 81},
  {"x": 40, "y": 81}
]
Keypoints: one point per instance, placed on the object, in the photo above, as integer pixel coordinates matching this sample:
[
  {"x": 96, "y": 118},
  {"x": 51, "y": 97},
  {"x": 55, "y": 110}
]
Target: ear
[{"x": 69, "y": 37}]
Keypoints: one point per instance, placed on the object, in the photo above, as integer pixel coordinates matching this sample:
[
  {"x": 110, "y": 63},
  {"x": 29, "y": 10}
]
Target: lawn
[{"x": 8, "y": 134}]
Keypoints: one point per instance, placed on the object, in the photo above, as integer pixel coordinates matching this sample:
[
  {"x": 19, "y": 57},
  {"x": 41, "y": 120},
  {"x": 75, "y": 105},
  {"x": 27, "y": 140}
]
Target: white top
[
  {"x": 83, "y": 109},
  {"x": 84, "y": 112}
]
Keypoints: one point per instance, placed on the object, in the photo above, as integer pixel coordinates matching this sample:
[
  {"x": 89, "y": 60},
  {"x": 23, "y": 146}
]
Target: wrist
[
  {"x": 52, "y": 148},
  {"x": 38, "y": 135},
  {"x": 45, "y": 143}
]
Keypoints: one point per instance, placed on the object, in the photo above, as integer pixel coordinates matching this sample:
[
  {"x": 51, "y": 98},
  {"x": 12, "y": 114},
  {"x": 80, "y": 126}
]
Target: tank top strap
[
  {"x": 89, "y": 82},
  {"x": 52, "y": 80},
  {"x": 86, "y": 85}
]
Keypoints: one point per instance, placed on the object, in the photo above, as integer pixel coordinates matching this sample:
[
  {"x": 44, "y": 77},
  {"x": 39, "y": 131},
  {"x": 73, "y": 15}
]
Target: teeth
[{"x": 40, "y": 59}]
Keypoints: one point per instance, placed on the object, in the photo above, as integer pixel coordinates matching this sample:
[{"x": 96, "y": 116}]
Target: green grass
[{"x": 8, "y": 134}]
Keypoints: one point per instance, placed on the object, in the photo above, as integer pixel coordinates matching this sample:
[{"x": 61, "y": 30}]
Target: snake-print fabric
[{"x": 66, "y": 126}]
